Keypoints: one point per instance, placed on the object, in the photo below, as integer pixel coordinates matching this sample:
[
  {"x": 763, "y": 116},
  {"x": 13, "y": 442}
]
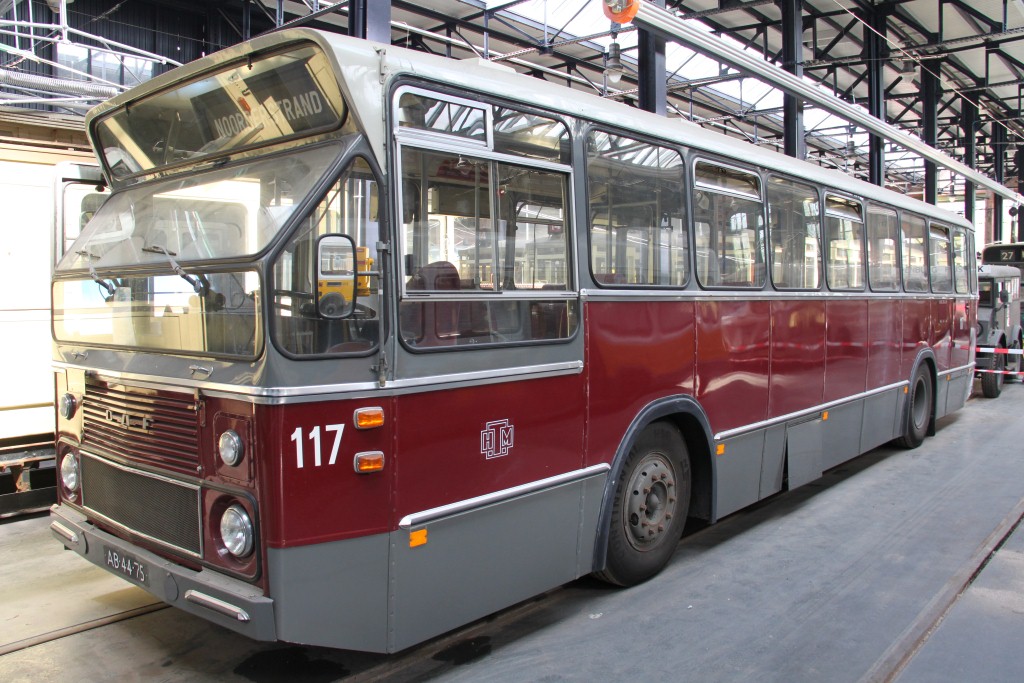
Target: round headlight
[
  {"x": 230, "y": 447},
  {"x": 236, "y": 531},
  {"x": 69, "y": 472},
  {"x": 67, "y": 406}
]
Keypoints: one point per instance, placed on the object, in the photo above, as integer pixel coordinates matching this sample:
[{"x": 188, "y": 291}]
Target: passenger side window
[
  {"x": 940, "y": 259},
  {"x": 915, "y": 253},
  {"x": 794, "y": 229},
  {"x": 883, "y": 243},
  {"x": 637, "y": 228},
  {"x": 493, "y": 231},
  {"x": 844, "y": 243},
  {"x": 960, "y": 261},
  {"x": 728, "y": 219}
]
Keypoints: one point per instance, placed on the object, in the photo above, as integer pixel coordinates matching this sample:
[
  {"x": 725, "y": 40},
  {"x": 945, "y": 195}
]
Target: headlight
[
  {"x": 236, "y": 531},
  {"x": 68, "y": 405},
  {"x": 230, "y": 447},
  {"x": 69, "y": 472}
]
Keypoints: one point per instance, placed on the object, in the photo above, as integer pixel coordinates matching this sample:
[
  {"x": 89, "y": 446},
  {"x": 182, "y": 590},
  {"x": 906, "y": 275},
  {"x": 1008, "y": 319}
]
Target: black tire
[
  {"x": 649, "y": 509},
  {"x": 992, "y": 382},
  {"x": 918, "y": 415}
]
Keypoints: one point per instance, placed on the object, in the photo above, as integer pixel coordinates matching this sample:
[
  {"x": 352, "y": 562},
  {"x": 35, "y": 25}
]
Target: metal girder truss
[
  {"x": 976, "y": 50},
  {"x": 65, "y": 88}
]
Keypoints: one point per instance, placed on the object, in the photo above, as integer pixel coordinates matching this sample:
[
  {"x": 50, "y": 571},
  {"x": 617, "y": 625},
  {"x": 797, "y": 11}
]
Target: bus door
[{"x": 488, "y": 375}]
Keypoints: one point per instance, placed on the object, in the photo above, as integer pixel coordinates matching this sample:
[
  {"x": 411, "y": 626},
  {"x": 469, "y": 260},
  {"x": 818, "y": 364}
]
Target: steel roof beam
[{"x": 672, "y": 27}]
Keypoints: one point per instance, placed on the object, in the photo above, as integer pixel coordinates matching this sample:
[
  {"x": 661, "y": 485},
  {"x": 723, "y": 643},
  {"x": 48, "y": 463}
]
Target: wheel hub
[{"x": 651, "y": 501}]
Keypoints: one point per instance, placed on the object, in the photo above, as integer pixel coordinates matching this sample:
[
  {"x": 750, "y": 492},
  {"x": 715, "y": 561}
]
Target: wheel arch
[
  {"x": 927, "y": 358},
  {"x": 687, "y": 415}
]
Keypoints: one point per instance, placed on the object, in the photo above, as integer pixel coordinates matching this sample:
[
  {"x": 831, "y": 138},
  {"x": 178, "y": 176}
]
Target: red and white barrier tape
[{"x": 1011, "y": 352}]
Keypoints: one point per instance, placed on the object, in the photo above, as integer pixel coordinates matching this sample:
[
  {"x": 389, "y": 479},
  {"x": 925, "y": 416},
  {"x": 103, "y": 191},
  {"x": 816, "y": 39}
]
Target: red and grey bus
[{"x": 562, "y": 328}]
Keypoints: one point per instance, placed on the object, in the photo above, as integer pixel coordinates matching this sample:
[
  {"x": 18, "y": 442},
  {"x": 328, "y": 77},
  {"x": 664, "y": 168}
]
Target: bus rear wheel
[
  {"x": 919, "y": 409},
  {"x": 649, "y": 508},
  {"x": 992, "y": 382}
]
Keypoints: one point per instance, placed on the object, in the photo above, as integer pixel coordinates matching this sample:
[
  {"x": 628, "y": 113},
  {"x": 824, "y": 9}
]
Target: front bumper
[{"x": 217, "y": 598}]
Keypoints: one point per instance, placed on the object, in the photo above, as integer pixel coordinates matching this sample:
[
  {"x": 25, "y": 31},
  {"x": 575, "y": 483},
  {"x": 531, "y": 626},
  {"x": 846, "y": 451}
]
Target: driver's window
[{"x": 351, "y": 207}]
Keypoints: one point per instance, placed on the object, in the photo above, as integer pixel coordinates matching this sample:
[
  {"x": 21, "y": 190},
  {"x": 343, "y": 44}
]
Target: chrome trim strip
[
  {"x": 963, "y": 368},
  {"x": 64, "y": 532},
  {"x": 277, "y": 395},
  {"x": 728, "y": 434},
  {"x": 136, "y": 532},
  {"x": 217, "y": 605},
  {"x": 434, "y": 514}
]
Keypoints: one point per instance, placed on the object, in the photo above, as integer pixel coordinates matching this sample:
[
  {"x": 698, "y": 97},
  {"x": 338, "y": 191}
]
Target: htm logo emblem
[{"x": 497, "y": 438}]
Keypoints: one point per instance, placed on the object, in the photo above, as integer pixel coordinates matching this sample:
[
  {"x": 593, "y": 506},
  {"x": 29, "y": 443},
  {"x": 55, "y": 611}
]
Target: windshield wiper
[
  {"x": 94, "y": 275},
  {"x": 198, "y": 283}
]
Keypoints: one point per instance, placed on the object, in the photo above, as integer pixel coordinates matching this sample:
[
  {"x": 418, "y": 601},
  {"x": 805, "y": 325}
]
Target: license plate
[{"x": 126, "y": 565}]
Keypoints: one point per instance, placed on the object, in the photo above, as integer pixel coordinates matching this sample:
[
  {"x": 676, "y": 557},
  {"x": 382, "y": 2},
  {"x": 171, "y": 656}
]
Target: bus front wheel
[
  {"x": 919, "y": 409},
  {"x": 650, "y": 505}
]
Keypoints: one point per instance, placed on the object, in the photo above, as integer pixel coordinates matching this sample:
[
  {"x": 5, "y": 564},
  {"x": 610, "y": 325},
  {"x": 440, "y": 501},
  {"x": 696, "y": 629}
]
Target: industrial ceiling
[{"x": 972, "y": 51}]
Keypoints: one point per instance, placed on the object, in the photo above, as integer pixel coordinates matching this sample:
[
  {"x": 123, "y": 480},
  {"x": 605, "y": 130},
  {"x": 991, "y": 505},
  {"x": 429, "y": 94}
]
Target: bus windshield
[{"x": 224, "y": 213}]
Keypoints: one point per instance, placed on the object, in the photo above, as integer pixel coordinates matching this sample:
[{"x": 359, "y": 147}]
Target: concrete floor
[{"x": 901, "y": 565}]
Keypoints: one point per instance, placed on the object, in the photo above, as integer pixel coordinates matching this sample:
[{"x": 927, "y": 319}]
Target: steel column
[
  {"x": 876, "y": 53},
  {"x": 792, "y": 61},
  {"x": 653, "y": 93},
  {"x": 370, "y": 19},
  {"x": 930, "y": 91},
  {"x": 999, "y": 167},
  {"x": 969, "y": 124}
]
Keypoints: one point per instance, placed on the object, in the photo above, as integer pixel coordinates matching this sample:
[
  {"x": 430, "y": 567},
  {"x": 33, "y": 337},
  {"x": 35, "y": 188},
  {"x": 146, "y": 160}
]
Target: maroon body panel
[
  {"x": 325, "y": 502},
  {"x": 733, "y": 360},
  {"x": 942, "y": 331},
  {"x": 846, "y": 348},
  {"x": 798, "y": 355},
  {"x": 885, "y": 330},
  {"x": 637, "y": 352},
  {"x": 457, "y": 444},
  {"x": 917, "y": 331}
]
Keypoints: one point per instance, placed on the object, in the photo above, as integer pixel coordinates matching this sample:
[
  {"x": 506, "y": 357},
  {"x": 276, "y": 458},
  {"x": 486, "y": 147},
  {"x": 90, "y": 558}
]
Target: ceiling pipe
[{"x": 650, "y": 17}]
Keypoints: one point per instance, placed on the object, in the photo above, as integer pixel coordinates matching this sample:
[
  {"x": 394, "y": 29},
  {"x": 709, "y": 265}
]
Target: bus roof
[{"x": 368, "y": 63}]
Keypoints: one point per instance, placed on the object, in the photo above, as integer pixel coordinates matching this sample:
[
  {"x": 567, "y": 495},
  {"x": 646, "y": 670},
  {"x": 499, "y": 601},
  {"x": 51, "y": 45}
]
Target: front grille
[
  {"x": 155, "y": 507},
  {"x": 157, "y": 428}
]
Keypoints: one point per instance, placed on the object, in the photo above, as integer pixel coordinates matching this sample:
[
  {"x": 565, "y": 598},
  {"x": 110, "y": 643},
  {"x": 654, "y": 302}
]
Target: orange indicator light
[
  {"x": 824, "y": 416},
  {"x": 369, "y": 418},
  {"x": 371, "y": 461},
  {"x": 720, "y": 449},
  {"x": 621, "y": 11},
  {"x": 418, "y": 537}
]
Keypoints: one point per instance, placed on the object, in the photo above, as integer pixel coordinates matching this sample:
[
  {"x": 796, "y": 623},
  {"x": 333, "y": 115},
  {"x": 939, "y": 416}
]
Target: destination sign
[{"x": 241, "y": 106}]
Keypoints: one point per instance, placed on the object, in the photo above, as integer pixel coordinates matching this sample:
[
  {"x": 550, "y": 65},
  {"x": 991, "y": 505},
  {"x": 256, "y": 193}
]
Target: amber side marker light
[
  {"x": 367, "y": 463},
  {"x": 369, "y": 418},
  {"x": 621, "y": 11},
  {"x": 418, "y": 537},
  {"x": 720, "y": 449}
]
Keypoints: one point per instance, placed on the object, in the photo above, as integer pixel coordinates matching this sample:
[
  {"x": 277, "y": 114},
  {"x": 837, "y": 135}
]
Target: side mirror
[
  {"x": 335, "y": 276},
  {"x": 1004, "y": 296}
]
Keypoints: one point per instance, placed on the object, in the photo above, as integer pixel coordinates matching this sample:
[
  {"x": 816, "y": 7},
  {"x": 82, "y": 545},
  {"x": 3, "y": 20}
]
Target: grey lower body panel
[
  {"x": 755, "y": 464},
  {"x": 479, "y": 561},
  {"x": 223, "y": 600},
  {"x": 381, "y": 593}
]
